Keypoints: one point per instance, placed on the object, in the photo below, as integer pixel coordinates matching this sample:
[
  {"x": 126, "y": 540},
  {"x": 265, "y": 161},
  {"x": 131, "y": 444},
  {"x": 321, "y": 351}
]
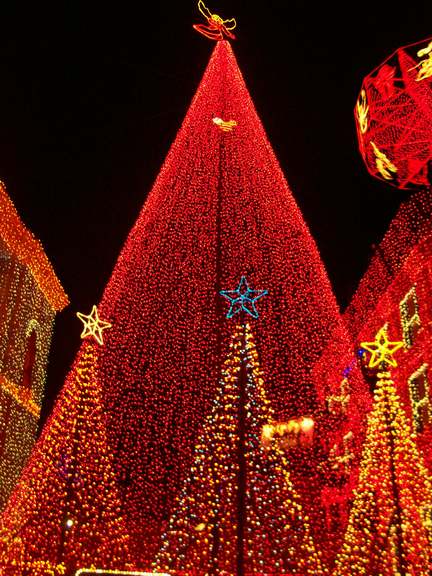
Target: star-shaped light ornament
[
  {"x": 381, "y": 350},
  {"x": 243, "y": 298},
  {"x": 93, "y": 325}
]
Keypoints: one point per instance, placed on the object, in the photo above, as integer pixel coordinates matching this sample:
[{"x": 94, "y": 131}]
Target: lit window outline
[
  {"x": 409, "y": 322},
  {"x": 416, "y": 403}
]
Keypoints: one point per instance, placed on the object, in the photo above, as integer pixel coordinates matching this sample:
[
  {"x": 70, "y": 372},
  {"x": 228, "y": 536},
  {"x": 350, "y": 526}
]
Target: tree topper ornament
[
  {"x": 93, "y": 325},
  {"x": 243, "y": 298},
  {"x": 216, "y": 28},
  {"x": 381, "y": 350}
]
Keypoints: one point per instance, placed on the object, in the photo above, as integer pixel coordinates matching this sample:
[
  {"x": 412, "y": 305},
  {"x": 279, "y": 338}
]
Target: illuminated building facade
[
  {"x": 396, "y": 293},
  {"x": 30, "y": 296}
]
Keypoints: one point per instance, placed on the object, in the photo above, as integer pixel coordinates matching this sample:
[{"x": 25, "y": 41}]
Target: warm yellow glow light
[
  {"x": 362, "y": 112},
  {"x": 384, "y": 166},
  {"x": 225, "y": 126},
  {"x": 200, "y": 527},
  {"x": 425, "y": 66},
  {"x": 306, "y": 424}
]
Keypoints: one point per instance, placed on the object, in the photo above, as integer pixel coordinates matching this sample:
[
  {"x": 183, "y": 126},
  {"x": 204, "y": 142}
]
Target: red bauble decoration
[{"x": 394, "y": 117}]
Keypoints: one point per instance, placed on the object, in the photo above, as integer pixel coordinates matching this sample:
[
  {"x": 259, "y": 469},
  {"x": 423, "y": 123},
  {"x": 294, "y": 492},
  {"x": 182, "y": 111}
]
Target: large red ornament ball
[{"x": 394, "y": 117}]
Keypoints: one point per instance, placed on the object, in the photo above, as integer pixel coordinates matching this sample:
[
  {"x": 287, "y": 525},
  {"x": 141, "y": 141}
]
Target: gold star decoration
[
  {"x": 93, "y": 325},
  {"x": 381, "y": 350},
  {"x": 362, "y": 109}
]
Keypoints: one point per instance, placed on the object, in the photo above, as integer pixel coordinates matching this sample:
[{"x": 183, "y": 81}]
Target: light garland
[
  {"x": 420, "y": 398},
  {"x": 383, "y": 164},
  {"x": 410, "y": 317},
  {"x": 21, "y": 395}
]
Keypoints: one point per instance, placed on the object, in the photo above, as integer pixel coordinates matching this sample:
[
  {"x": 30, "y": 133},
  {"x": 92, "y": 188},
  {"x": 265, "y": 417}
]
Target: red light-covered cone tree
[
  {"x": 388, "y": 531},
  {"x": 238, "y": 511},
  {"x": 220, "y": 209}
]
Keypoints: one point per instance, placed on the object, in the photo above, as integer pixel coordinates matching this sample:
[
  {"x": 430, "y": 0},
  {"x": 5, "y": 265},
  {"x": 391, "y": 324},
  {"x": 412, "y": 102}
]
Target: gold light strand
[
  {"x": 425, "y": 66},
  {"x": 362, "y": 112},
  {"x": 20, "y": 395},
  {"x": 421, "y": 405},
  {"x": 410, "y": 319},
  {"x": 384, "y": 166}
]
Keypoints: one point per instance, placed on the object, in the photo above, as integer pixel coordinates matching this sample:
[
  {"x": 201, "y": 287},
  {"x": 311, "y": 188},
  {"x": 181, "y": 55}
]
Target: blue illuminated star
[{"x": 243, "y": 298}]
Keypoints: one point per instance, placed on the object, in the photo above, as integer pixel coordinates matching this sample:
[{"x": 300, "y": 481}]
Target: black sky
[{"x": 92, "y": 96}]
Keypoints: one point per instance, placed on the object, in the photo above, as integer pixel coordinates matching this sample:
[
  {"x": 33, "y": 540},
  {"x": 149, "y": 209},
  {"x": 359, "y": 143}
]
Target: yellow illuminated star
[
  {"x": 93, "y": 325},
  {"x": 381, "y": 350}
]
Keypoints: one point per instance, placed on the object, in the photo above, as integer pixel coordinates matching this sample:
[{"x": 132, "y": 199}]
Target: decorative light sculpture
[{"x": 394, "y": 117}]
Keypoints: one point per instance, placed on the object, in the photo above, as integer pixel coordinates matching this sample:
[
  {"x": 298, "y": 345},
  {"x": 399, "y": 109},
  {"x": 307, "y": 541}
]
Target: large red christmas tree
[{"x": 220, "y": 217}]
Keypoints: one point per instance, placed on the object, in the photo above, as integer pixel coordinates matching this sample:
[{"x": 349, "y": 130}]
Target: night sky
[{"x": 92, "y": 97}]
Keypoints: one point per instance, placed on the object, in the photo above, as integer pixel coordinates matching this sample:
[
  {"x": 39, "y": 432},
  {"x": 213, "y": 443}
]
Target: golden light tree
[
  {"x": 239, "y": 512},
  {"x": 387, "y": 533},
  {"x": 71, "y": 467}
]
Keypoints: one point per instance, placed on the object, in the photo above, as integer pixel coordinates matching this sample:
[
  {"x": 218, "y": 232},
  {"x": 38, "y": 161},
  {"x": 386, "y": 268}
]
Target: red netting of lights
[
  {"x": 394, "y": 117},
  {"x": 220, "y": 209}
]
